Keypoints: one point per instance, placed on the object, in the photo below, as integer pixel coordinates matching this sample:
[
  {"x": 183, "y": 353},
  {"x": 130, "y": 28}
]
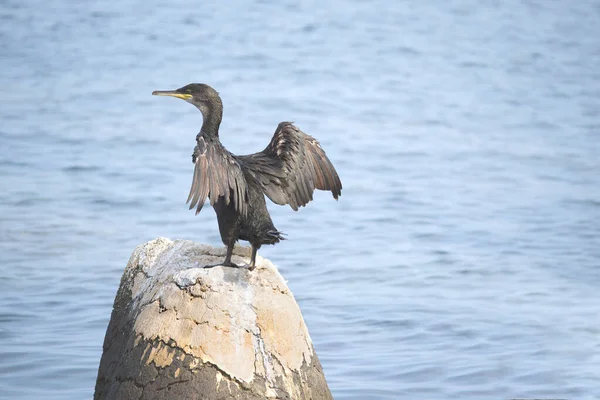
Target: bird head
[{"x": 201, "y": 95}]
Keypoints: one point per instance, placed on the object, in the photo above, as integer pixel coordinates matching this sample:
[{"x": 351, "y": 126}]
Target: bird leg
[
  {"x": 253, "y": 258},
  {"x": 227, "y": 262}
]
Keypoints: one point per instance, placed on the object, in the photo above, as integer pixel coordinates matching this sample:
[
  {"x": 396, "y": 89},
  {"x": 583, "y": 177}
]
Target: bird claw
[{"x": 229, "y": 264}]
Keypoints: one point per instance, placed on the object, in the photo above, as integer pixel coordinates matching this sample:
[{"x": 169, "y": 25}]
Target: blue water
[{"x": 463, "y": 258}]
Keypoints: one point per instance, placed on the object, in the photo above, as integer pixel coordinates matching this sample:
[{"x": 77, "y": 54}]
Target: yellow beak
[{"x": 172, "y": 93}]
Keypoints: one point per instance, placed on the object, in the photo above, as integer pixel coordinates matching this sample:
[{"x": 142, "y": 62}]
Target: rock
[{"x": 181, "y": 331}]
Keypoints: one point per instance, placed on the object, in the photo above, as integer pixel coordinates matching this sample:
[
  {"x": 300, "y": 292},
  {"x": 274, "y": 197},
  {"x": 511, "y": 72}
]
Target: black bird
[{"x": 288, "y": 171}]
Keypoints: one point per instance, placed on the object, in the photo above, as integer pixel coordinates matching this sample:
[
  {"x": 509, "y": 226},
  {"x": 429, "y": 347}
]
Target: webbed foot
[
  {"x": 222, "y": 264},
  {"x": 228, "y": 264}
]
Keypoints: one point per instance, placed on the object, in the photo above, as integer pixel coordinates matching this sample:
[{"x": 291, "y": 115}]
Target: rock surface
[{"x": 181, "y": 331}]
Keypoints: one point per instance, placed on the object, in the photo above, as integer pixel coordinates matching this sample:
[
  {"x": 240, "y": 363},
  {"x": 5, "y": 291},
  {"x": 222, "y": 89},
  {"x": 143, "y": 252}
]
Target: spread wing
[
  {"x": 291, "y": 167},
  {"x": 216, "y": 174}
]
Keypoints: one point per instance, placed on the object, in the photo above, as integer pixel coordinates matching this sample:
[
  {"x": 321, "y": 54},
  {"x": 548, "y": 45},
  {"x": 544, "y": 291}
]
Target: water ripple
[{"x": 462, "y": 258}]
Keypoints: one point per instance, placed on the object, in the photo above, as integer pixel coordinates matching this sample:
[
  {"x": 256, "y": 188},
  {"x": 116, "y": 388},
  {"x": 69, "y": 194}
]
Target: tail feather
[{"x": 274, "y": 236}]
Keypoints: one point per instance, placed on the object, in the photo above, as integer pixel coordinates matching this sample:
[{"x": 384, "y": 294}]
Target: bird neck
[{"x": 212, "y": 114}]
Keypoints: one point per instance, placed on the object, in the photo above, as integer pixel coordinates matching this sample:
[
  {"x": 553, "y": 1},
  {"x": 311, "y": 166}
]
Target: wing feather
[
  {"x": 291, "y": 167},
  {"x": 216, "y": 174}
]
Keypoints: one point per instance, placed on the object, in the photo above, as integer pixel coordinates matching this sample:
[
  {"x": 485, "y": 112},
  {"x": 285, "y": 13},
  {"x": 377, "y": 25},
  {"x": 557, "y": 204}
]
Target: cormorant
[{"x": 288, "y": 171}]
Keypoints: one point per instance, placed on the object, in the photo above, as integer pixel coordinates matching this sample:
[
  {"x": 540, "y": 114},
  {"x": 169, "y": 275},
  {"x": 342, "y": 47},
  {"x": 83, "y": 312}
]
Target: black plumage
[{"x": 287, "y": 171}]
